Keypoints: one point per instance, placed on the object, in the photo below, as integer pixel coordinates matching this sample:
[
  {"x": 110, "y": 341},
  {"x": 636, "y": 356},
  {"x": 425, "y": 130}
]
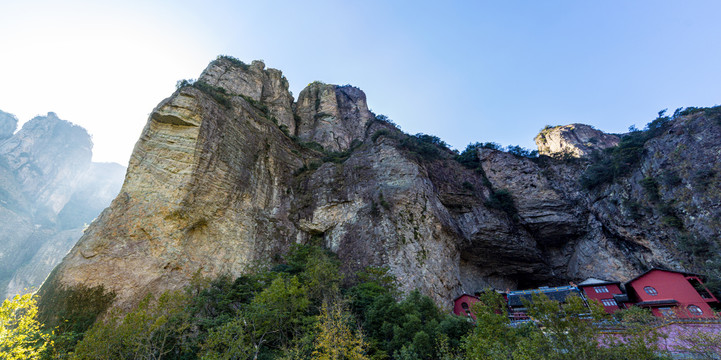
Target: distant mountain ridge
[{"x": 49, "y": 191}]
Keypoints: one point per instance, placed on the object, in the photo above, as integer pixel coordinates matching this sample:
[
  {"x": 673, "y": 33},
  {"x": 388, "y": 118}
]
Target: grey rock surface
[{"x": 332, "y": 115}]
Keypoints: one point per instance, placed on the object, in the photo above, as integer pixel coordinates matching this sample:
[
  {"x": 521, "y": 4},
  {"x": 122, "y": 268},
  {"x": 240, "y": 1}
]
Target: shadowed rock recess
[{"x": 230, "y": 171}]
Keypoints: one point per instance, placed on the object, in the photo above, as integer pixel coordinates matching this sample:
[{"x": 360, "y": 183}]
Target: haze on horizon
[{"x": 464, "y": 71}]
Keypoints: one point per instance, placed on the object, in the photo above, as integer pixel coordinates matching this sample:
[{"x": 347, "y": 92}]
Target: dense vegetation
[
  {"x": 302, "y": 308},
  {"x": 619, "y": 161},
  {"x": 559, "y": 332},
  {"x": 289, "y": 312}
]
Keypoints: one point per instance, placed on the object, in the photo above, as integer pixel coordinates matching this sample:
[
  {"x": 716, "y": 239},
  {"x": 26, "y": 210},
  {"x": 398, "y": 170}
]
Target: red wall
[
  {"x": 458, "y": 307},
  {"x": 591, "y": 294},
  {"x": 671, "y": 285}
]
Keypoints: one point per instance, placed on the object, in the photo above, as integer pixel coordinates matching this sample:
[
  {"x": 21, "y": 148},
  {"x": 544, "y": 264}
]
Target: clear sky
[{"x": 465, "y": 71}]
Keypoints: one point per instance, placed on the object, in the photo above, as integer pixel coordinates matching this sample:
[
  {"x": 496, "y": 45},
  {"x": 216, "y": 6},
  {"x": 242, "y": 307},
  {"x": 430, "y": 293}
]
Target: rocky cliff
[
  {"x": 575, "y": 140},
  {"x": 8, "y": 124},
  {"x": 49, "y": 190},
  {"x": 229, "y": 172}
]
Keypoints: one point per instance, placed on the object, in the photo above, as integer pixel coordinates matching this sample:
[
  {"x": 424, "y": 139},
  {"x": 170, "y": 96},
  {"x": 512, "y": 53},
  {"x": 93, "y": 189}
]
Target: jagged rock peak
[
  {"x": 46, "y": 152},
  {"x": 49, "y": 189},
  {"x": 254, "y": 82},
  {"x": 332, "y": 115},
  {"x": 8, "y": 124},
  {"x": 576, "y": 140},
  {"x": 47, "y": 132}
]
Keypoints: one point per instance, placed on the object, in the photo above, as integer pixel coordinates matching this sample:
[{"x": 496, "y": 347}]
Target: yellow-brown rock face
[{"x": 575, "y": 140}]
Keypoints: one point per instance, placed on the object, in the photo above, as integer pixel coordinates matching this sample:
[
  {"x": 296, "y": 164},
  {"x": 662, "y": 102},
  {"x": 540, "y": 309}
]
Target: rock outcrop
[
  {"x": 225, "y": 177},
  {"x": 8, "y": 124},
  {"x": 331, "y": 115},
  {"x": 49, "y": 190},
  {"x": 575, "y": 140}
]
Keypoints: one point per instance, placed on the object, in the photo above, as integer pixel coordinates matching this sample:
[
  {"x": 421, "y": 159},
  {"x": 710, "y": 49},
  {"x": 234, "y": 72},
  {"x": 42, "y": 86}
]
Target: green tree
[
  {"x": 493, "y": 337},
  {"x": 20, "y": 334},
  {"x": 153, "y": 330},
  {"x": 570, "y": 330},
  {"x": 229, "y": 341},
  {"x": 276, "y": 315},
  {"x": 567, "y": 328},
  {"x": 411, "y": 323},
  {"x": 373, "y": 282},
  {"x": 321, "y": 277},
  {"x": 215, "y": 302}
]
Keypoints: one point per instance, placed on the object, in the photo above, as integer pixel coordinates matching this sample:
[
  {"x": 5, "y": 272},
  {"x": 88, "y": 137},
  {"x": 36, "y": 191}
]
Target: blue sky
[{"x": 464, "y": 71}]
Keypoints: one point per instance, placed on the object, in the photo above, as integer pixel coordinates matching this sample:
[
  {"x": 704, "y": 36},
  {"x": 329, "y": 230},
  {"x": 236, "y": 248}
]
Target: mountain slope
[
  {"x": 229, "y": 172},
  {"x": 49, "y": 190}
]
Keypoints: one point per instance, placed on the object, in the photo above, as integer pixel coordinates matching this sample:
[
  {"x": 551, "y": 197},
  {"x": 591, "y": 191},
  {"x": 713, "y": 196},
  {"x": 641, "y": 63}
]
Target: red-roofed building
[
  {"x": 671, "y": 293},
  {"x": 607, "y": 293},
  {"x": 462, "y": 305}
]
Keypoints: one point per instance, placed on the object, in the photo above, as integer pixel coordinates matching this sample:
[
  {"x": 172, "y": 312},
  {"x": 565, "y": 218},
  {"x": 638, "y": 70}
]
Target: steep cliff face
[
  {"x": 49, "y": 189},
  {"x": 567, "y": 224},
  {"x": 226, "y": 176},
  {"x": 45, "y": 176},
  {"x": 662, "y": 212},
  {"x": 332, "y": 115}
]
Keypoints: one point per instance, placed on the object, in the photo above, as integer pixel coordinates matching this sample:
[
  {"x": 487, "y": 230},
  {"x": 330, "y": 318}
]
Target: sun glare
[{"x": 103, "y": 72}]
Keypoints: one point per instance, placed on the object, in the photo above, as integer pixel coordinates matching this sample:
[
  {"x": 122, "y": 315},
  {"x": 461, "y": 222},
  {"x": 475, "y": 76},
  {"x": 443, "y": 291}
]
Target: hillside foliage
[
  {"x": 303, "y": 308},
  {"x": 618, "y": 161}
]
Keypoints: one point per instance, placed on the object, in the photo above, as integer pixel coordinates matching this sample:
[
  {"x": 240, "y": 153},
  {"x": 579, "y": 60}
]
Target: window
[
  {"x": 466, "y": 309},
  {"x": 609, "y": 302},
  {"x": 695, "y": 310},
  {"x": 600, "y": 289},
  {"x": 698, "y": 285},
  {"x": 650, "y": 290},
  {"x": 667, "y": 312}
]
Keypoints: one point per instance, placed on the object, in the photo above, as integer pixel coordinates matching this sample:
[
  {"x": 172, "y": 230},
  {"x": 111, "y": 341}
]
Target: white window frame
[
  {"x": 694, "y": 313},
  {"x": 649, "y": 289},
  {"x": 600, "y": 289}
]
